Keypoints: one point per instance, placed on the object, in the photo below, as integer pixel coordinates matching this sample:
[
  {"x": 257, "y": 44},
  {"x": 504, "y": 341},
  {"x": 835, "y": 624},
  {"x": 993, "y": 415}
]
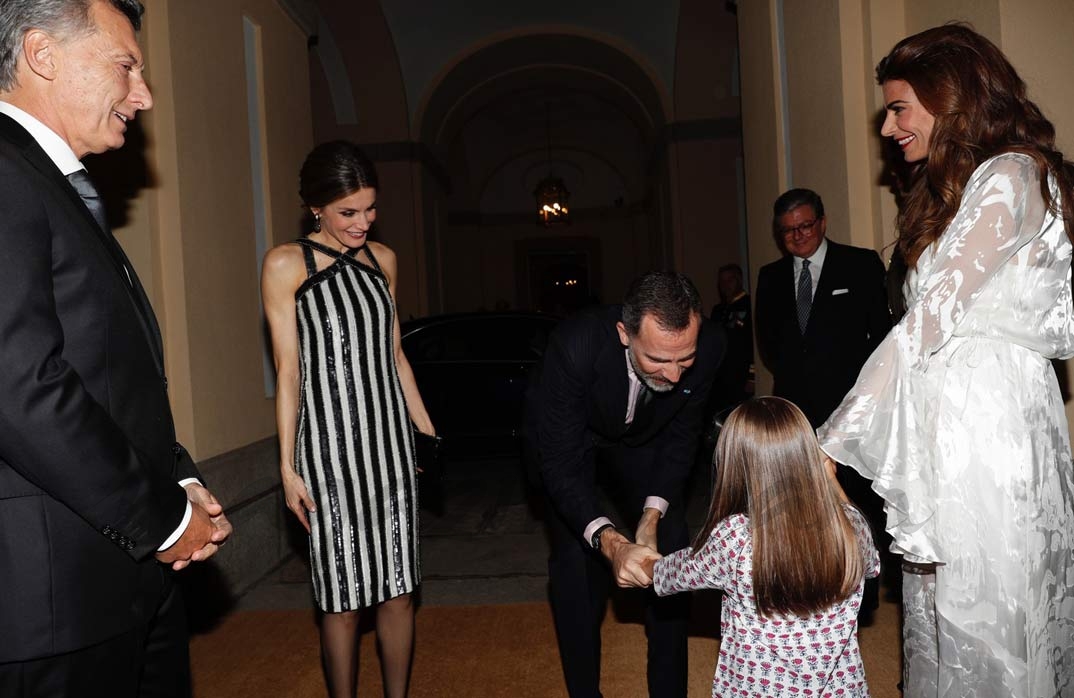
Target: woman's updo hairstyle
[{"x": 333, "y": 171}]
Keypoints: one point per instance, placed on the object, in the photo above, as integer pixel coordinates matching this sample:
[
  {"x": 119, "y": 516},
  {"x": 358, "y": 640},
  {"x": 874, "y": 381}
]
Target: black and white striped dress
[{"x": 354, "y": 445}]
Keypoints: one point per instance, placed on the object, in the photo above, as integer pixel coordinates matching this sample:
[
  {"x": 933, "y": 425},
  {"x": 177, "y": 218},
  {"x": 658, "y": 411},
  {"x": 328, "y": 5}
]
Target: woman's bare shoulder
[
  {"x": 381, "y": 251},
  {"x": 285, "y": 263},
  {"x": 385, "y": 257},
  {"x": 287, "y": 253}
]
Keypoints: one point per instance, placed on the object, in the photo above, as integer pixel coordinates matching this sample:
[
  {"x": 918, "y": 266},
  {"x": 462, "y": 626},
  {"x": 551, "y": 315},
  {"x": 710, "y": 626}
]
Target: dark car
[{"x": 472, "y": 371}]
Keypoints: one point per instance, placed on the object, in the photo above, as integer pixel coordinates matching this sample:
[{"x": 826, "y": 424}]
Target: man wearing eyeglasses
[
  {"x": 820, "y": 312},
  {"x": 821, "y": 309}
]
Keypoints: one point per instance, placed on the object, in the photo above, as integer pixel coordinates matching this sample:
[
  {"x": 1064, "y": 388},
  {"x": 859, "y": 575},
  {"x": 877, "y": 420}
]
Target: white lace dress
[{"x": 958, "y": 420}]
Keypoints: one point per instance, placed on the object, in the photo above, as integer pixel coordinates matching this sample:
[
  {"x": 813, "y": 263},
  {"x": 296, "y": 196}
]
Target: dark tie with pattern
[
  {"x": 805, "y": 295},
  {"x": 644, "y": 397},
  {"x": 88, "y": 193},
  {"x": 84, "y": 186}
]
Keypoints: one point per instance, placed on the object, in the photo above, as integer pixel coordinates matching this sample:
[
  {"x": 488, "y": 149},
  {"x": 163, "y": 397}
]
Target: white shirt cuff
[
  {"x": 593, "y": 526},
  {"x": 178, "y": 533},
  {"x": 658, "y": 503}
]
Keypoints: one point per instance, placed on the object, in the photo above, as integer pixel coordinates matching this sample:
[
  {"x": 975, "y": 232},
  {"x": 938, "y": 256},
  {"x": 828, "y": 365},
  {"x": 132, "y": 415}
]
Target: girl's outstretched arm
[{"x": 713, "y": 567}]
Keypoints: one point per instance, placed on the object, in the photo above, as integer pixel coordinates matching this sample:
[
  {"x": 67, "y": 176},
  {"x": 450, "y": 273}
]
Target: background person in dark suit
[
  {"x": 618, "y": 407},
  {"x": 94, "y": 491},
  {"x": 734, "y": 314},
  {"x": 814, "y": 333},
  {"x": 816, "y": 329}
]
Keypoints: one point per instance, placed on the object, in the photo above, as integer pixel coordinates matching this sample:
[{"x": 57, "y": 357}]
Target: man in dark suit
[
  {"x": 97, "y": 500},
  {"x": 821, "y": 309},
  {"x": 618, "y": 407},
  {"x": 733, "y": 313}
]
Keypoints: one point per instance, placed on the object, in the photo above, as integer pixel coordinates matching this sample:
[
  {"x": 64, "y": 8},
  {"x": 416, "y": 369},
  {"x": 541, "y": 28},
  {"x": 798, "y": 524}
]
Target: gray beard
[{"x": 647, "y": 381}]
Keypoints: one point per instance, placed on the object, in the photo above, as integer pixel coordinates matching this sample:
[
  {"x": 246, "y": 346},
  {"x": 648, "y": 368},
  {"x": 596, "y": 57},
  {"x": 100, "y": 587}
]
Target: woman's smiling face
[
  {"x": 907, "y": 121},
  {"x": 348, "y": 220}
]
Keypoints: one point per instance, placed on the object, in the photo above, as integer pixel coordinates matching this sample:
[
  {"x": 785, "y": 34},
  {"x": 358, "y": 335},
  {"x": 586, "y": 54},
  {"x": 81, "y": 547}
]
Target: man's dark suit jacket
[
  {"x": 579, "y": 401},
  {"x": 89, "y": 467},
  {"x": 848, "y": 318}
]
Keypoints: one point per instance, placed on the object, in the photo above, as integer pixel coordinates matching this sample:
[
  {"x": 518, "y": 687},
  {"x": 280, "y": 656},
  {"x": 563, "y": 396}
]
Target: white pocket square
[{"x": 840, "y": 291}]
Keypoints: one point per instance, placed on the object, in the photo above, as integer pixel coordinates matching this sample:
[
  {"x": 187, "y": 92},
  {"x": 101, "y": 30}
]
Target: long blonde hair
[{"x": 769, "y": 467}]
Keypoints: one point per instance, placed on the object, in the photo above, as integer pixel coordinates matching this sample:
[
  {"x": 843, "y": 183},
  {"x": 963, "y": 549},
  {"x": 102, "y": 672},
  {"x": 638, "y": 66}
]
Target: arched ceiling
[
  {"x": 570, "y": 64},
  {"x": 431, "y": 35},
  {"x": 501, "y": 127},
  {"x": 513, "y": 142},
  {"x": 502, "y": 93}
]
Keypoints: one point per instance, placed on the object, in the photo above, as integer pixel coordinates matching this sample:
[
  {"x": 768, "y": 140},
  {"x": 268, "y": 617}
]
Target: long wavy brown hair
[
  {"x": 769, "y": 467},
  {"x": 980, "y": 106}
]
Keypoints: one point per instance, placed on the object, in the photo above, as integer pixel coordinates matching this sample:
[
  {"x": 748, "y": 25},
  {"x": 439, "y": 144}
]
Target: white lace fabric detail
[{"x": 958, "y": 420}]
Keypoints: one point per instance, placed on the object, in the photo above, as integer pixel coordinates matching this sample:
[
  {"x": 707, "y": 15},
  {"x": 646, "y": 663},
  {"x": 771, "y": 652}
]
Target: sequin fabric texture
[
  {"x": 958, "y": 420},
  {"x": 775, "y": 657},
  {"x": 354, "y": 445}
]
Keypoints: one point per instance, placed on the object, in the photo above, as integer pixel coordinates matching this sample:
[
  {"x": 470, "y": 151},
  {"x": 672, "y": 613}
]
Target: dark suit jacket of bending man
[
  {"x": 848, "y": 318},
  {"x": 89, "y": 467},
  {"x": 576, "y": 407}
]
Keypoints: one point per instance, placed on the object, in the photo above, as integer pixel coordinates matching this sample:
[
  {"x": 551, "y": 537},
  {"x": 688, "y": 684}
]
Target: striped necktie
[{"x": 805, "y": 295}]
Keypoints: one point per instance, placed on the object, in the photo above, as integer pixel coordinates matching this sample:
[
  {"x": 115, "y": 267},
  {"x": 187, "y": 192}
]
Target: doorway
[{"x": 558, "y": 275}]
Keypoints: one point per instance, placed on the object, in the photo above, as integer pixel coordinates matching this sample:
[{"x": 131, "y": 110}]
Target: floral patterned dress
[
  {"x": 958, "y": 420},
  {"x": 780, "y": 656}
]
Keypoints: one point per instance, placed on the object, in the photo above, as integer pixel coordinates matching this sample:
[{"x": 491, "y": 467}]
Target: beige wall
[
  {"x": 364, "y": 41},
  {"x": 983, "y": 14},
  {"x": 191, "y": 234},
  {"x": 762, "y": 137},
  {"x": 831, "y": 48},
  {"x": 763, "y": 142},
  {"x": 818, "y": 129},
  {"x": 1036, "y": 36}
]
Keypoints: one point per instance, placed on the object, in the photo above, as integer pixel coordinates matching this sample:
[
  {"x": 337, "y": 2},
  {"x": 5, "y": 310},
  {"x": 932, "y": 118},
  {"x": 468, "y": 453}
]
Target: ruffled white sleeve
[{"x": 882, "y": 427}]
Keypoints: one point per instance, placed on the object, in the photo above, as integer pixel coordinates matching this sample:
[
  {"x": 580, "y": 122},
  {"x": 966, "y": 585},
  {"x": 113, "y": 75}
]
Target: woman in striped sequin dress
[{"x": 345, "y": 401}]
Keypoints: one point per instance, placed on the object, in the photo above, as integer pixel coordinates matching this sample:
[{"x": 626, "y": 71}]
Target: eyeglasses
[{"x": 798, "y": 229}]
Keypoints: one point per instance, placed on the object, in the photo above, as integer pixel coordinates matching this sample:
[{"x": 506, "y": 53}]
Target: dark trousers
[
  {"x": 871, "y": 504},
  {"x": 861, "y": 494},
  {"x": 580, "y": 581},
  {"x": 149, "y": 661}
]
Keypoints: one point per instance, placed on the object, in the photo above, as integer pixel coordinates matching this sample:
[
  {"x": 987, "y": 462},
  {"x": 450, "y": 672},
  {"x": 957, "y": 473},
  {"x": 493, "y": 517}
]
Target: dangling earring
[{"x": 316, "y": 222}]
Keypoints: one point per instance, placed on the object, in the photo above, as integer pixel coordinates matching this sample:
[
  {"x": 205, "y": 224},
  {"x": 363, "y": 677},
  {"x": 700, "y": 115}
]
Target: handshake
[{"x": 632, "y": 563}]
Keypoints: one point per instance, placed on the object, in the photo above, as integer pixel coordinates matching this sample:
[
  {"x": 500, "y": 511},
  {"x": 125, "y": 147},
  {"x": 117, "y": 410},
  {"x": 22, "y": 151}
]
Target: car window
[
  {"x": 442, "y": 342},
  {"x": 520, "y": 339},
  {"x": 480, "y": 339}
]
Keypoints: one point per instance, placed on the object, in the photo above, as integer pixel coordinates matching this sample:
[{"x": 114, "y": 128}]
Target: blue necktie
[{"x": 805, "y": 295}]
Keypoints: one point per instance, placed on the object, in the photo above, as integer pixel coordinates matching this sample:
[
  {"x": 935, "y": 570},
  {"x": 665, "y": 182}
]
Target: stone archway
[{"x": 505, "y": 116}]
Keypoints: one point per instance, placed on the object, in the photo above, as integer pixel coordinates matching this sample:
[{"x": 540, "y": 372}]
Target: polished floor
[
  {"x": 487, "y": 545},
  {"x": 487, "y": 548}
]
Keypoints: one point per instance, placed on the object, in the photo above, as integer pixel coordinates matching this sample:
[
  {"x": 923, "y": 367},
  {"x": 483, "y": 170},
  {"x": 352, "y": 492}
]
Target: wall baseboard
[{"x": 247, "y": 483}]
